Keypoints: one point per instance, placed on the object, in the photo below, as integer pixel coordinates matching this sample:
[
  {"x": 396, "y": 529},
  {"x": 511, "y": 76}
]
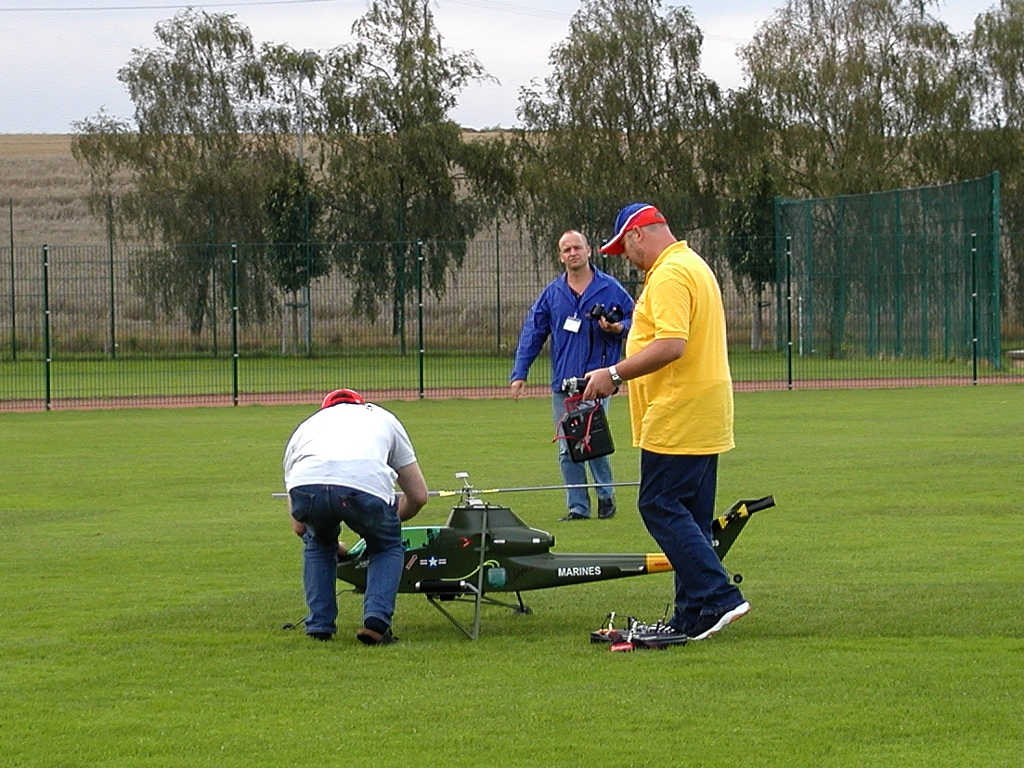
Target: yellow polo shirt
[{"x": 686, "y": 406}]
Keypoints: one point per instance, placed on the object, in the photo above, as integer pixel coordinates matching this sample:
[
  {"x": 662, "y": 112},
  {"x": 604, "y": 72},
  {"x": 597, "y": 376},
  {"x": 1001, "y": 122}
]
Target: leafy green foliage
[
  {"x": 203, "y": 141},
  {"x": 293, "y": 209},
  {"x": 997, "y": 47},
  {"x": 844, "y": 96},
  {"x": 850, "y": 87},
  {"x": 750, "y": 245},
  {"x": 393, "y": 161},
  {"x": 622, "y": 117}
]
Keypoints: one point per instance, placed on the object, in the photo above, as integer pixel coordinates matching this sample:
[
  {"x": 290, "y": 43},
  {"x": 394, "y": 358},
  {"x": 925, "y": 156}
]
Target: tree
[
  {"x": 750, "y": 244},
  {"x": 740, "y": 166},
  {"x": 622, "y": 117},
  {"x": 997, "y": 47},
  {"x": 100, "y": 150},
  {"x": 206, "y": 132},
  {"x": 293, "y": 207},
  {"x": 858, "y": 94},
  {"x": 850, "y": 87},
  {"x": 396, "y": 168}
]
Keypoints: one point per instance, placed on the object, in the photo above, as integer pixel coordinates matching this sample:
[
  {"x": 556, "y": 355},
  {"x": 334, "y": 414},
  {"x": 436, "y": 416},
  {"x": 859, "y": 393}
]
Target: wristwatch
[{"x": 616, "y": 379}]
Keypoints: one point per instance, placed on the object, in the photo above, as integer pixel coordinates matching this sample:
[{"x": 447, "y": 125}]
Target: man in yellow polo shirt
[{"x": 681, "y": 411}]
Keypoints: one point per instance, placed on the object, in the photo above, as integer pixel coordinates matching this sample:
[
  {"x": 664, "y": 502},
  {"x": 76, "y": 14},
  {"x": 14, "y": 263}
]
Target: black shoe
[
  {"x": 325, "y": 636},
  {"x": 573, "y": 516},
  {"x": 370, "y": 637},
  {"x": 710, "y": 623},
  {"x": 605, "y": 508}
]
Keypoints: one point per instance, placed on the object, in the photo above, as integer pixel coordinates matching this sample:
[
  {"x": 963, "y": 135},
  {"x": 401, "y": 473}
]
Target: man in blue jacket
[{"x": 587, "y": 314}]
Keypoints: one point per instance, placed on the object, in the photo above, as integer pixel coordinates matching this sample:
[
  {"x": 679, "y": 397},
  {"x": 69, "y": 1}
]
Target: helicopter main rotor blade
[
  {"x": 514, "y": 489},
  {"x": 476, "y": 491}
]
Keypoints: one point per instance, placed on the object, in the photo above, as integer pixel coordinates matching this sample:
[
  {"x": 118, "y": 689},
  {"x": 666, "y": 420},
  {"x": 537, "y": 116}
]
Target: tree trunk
[{"x": 757, "y": 321}]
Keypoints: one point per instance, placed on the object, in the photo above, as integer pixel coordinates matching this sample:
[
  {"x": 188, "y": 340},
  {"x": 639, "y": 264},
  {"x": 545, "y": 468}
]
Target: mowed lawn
[{"x": 147, "y": 572}]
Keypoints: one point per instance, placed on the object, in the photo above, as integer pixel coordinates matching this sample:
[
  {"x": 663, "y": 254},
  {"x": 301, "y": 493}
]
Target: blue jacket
[{"x": 572, "y": 354}]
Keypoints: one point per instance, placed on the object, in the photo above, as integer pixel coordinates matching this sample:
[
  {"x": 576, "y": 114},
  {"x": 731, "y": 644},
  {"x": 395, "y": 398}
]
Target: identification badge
[{"x": 572, "y": 324}]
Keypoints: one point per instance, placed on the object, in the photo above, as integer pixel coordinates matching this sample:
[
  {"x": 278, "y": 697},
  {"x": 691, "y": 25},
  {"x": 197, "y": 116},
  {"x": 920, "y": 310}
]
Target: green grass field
[{"x": 147, "y": 572}]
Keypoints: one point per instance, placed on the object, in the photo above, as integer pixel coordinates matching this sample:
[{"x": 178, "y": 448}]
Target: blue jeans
[
  {"x": 677, "y": 504},
  {"x": 323, "y": 508},
  {"x": 577, "y": 499}
]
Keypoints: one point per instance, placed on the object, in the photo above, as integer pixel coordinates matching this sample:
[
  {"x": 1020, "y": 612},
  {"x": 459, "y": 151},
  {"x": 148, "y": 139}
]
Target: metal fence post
[
  {"x": 497, "y": 285},
  {"x": 213, "y": 296},
  {"x": 995, "y": 343},
  {"x": 874, "y": 306},
  {"x": 924, "y": 261},
  {"x": 14, "y": 314},
  {"x": 110, "y": 273},
  {"x": 789, "y": 312},
  {"x": 419, "y": 305},
  {"x": 308, "y": 290},
  {"x": 234, "y": 323},
  {"x": 898, "y": 249},
  {"x": 974, "y": 307},
  {"x": 949, "y": 343},
  {"x": 839, "y": 284},
  {"x": 778, "y": 251},
  {"x": 46, "y": 323},
  {"x": 809, "y": 282}
]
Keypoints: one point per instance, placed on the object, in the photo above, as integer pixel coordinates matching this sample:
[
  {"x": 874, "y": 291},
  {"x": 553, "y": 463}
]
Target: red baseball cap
[
  {"x": 633, "y": 215},
  {"x": 342, "y": 396}
]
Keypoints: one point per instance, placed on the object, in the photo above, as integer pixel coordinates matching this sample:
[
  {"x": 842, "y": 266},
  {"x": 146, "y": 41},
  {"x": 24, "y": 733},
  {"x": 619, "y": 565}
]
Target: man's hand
[
  {"x": 517, "y": 388},
  {"x": 612, "y": 328},
  {"x": 655, "y": 355},
  {"x": 599, "y": 384},
  {"x": 299, "y": 528}
]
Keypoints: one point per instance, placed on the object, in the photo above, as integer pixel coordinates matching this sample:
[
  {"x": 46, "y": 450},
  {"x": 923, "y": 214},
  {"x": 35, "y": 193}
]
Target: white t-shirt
[{"x": 360, "y": 446}]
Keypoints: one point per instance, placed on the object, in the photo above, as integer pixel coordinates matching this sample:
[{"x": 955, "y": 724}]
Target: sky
[{"x": 59, "y": 58}]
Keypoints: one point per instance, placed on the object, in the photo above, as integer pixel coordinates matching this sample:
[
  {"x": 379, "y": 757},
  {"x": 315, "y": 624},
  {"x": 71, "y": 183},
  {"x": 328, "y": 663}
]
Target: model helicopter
[{"x": 485, "y": 548}]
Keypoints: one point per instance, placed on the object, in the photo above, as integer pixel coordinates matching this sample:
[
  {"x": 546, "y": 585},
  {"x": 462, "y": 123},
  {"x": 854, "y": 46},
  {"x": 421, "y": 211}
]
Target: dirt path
[{"x": 468, "y": 393}]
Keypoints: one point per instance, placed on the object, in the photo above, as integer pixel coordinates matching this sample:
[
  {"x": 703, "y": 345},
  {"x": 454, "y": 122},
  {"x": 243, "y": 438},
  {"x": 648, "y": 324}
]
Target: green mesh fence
[
  {"x": 876, "y": 295},
  {"x": 903, "y": 274}
]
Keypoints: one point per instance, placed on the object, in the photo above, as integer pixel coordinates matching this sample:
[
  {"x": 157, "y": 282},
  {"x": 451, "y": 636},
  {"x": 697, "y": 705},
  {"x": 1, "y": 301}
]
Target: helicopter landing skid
[{"x": 437, "y": 592}]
